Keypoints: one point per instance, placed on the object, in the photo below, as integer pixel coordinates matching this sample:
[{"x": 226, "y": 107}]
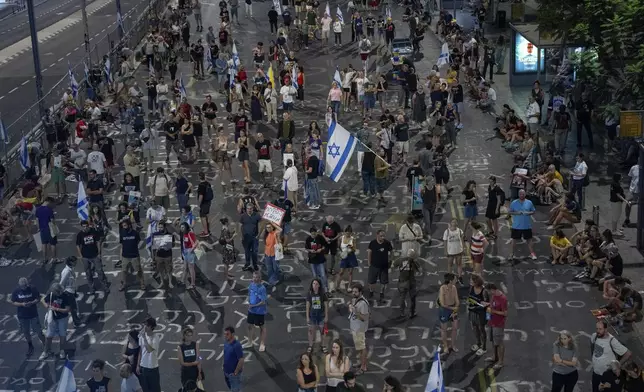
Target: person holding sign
[
  {"x": 273, "y": 252},
  {"x": 162, "y": 244}
]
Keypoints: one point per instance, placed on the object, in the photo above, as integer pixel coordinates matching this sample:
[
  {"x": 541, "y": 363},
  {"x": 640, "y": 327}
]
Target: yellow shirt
[
  {"x": 559, "y": 242},
  {"x": 382, "y": 169},
  {"x": 558, "y": 176}
]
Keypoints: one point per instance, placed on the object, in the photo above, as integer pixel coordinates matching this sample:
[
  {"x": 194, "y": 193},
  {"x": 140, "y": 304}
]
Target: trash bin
[{"x": 501, "y": 18}]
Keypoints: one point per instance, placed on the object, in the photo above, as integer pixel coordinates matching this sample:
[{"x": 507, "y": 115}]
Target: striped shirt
[{"x": 476, "y": 243}]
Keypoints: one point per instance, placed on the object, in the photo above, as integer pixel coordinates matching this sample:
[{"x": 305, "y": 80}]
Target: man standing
[
  {"x": 633, "y": 193},
  {"x": 496, "y": 199},
  {"x": 131, "y": 163},
  {"x": 160, "y": 188},
  {"x": 498, "y": 313},
  {"x": 533, "y": 113},
  {"x": 408, "y": 267},
  {"x": 95, "y": 190},
  {"x": 97, "y": 162},
  {"x": 88, "y": 246},
  {"x": 288, "y": 92},
  {"x": 401, "y": 130},
  {"x": 233, "y": 360},
  {"x": 78, "y": 158},
  {"x": 209, "y": 109},
  {"x": 270, "y": 98},
  {"x": 410, "y": 235},
  {"x": 584, "y": 116},
  {"x": 56, "y": 301},
  {"x": 68, "y": 281},
  {"x": 561, "y": 128},
  {"x": 326, "y": 22},
  {"x": 363, "y": 137},
  {"x": 359, "y": 324},
  {"x": 263, "y": 147},
  {"x": 291, "y": 183},
  {"x": 171, "y": 130},
  {"x": 148, "y": 366},
  {"x": 272, "y": 19},
  {"x": 162, "y": 244},
  {"x": 312, "y": 186},
  {"x": 48, "y": 230},
  {"x": 316, "y": 245},
  {"x": 522, "y": 210},
  {"x": 426, "y": 161},
  {"x": 579, "y": 173},
  {"x": 26, "y": 297},
  {"x": 286, "y": 131},
  {"x": 257, "y": 310},
  {"x": 429, "y": 194},
  {"x": 369, "y": 173},
  {"x": 332, "y": 231},
  {"x": 489, "y": 57},
  {"x": 130, "y": 239},
  {"x": 605, "y": 349},
  {"x": 205, "y": 195},
  {"x": 378, "y": 260},
  {"x": 250, "y": 232}
]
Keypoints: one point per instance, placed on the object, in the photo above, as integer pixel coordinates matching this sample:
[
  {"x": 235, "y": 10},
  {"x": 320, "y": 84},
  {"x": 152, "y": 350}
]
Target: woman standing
[
  {"x": 617, "y": 198},
  {"x": 453, "y": 238},
  {"x": 188, "y": 246},
  {"x": 308, "y": 376},
  {"x": 58, "y": 174},
  {"x": 564, "y": 360},
  {"x": 197, "y": 128},
  {"x": 182, "y": 188},
  {"x": 436, "y": 122},
  {"x": 329, "y": 117},
  {"x": 222, "y": 159},
  {"x": 271, "y": 240},
  {"x": 315, "y": 143},
  {"x": 131, "y": 348},
  {"x": 419, "y": 107},
  {"x": 500, "y": 54},
  {"x": 386, "y": 141},
  {"x": 334, "y": 98},
  {"x": 381, "y": 92},
  {"x": 478, "y": 244},
  {"x": 348, "y": 259},
  {"x": 97, "y": 221},
  {"x": 256, "y": 110},
  {"x": 317, "y": 313},
  {"x": 336, "y": 364},
  {"x": 300, "y": 84},
  {"x": 243, "y": 155},
  {"x": 448, "y": 312},
  {"x": 469, "y": 202},
  {"x": 188, "y": 138},
  {"x": 476, "y": 304},
  {"x": 188, "y": 354},
  {"x": 227, "y": 241}
]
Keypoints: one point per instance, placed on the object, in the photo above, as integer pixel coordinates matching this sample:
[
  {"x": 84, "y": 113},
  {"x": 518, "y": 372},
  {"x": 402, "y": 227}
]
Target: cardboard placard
[{"x": 273, "y": 214}]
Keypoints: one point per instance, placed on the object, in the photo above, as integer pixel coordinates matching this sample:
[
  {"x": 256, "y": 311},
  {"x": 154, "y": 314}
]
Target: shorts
[
  {"x": 57, "y": 327},
  {"x": 359, "y": 340},
  {"x": 497, "y": 335},
  {"x": 369, "y": 101},
  {"x": 316, "y": 320},
  {"x": 286, "y": 228},
  {"x": 255, "y": 319},
  {"x": 445, "y": 315},
  {"x": 189, "y": 257},
  {"x": 477, "y": 319},
  {"x": 381, "y": 184},
  {"x": 471, "y": 211},
  {"x": 491, "y": 213},
  {"x": 265, "y": 166},
  {"x": 378, "y": 274},
  {"x": 163, "y": 201},
  {"x": 135, "y": 261},
  {"x": 403, "y": 147},
  {"x": 46, "y": 238},
  {"x": 346, "y": 89},
  {"x": 364, "y": 56},
  {"x": 204, "y": 209},
  {"x": 164, "y": 264},
  {"x": 477, "y": 258},
  {"x": 326, "y": 34},
  {"x": 172, "y": 145},
  {"x": 517, "y": 234}
]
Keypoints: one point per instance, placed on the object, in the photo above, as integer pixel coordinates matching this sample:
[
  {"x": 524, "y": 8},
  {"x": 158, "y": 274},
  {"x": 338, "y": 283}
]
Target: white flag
[{"x": 443, "y": 59}]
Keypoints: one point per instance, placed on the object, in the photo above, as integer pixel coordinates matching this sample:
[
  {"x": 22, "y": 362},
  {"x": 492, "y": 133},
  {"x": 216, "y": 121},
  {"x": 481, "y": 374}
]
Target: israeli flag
[
  {"x": 119, "y": 21},
  {"x": 236, "y": 62},
  {"x": 73, "y": 84},
  {"x": 339, "y": 150},
  {"x": 24, "y": 154},
  {"x": 294, "y": 78},
  {"x": 182, "y": 87},
  {"x": 108, "y": 71},
  {"x": 86, "y": 71},
  {"x": 208, "y": 58},
  {"x": 3, "y": 132},
  {"x": 388, "y": 12},
  {"x": 278, "y": 6},
  {"x": 152, "y": 228},
  {"x": 82, "y": 205},
  {"x": 67, "y": 382},
  {"x": 190, "y": 219},
  {"x": 336, "y": 77},
  {"x": 151, "y": 72},
  {"x": 435, "y": 380},
  {"x": 327, "y": 9},
  {"x": 338, "y": 13},
  {"x": 443, "y": 59}
]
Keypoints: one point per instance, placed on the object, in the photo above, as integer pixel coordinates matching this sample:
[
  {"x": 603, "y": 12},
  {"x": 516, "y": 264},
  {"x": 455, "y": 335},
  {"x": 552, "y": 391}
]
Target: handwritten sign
[
  {"x": 630, "y": 123},
  {"x": 273, "y": 214}
]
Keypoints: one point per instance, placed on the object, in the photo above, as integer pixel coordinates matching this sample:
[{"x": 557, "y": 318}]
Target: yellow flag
[{"x": 271, "y": 77}]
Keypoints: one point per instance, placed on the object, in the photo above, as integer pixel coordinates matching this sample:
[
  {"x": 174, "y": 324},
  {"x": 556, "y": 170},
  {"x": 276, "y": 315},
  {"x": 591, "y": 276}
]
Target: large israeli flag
[
  {"x": 336, "y": 77},
  {"x": 208, "y": 58},
  {"x": 73, "y": 84},
  {"x": 182, "y": 87},
  {"x": 23, "y": 153},
  {"x": 82, "y": 205},
  {"x": 86, "y": 71},
  {"x": 327, "y": 9},
  {"x": 119, "y": 21},
  {"x": 67, "y": 382},
  {"x": 435, "y": 380},
  {"x": 338, "y": 13},
  {"x": 339, "y": 150},
  {"x": 108, "y": 71},
  {"x": 388, "y": 12},
  {"x": 443, "y": 59},
  {"x": 294, "y": 78}
]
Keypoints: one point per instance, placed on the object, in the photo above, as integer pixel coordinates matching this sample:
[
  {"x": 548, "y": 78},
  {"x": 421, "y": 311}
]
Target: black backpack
[{"x": 209, "y": 194}]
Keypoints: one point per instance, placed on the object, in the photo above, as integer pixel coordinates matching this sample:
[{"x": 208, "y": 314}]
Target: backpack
[
  {"x": 208, "y": 195},
  {"x": 610, "y": 343},
  {"x": 562, "y": 121},
  {"x": 154, "y": 184}
]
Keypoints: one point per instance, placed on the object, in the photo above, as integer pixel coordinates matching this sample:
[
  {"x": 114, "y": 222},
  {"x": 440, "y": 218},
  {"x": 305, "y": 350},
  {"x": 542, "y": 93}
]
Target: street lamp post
[
  {"x": 120, "y": 22},
  {"x": 86, "y": 32},
  {"x": 34, "y": 50}
]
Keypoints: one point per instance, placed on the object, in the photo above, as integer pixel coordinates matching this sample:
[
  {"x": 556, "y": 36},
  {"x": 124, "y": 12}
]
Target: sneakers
[
  {"x": 480, "y": 352},
  {"x": 533, "y": 256},
  {"x": 262, "y": 348}
]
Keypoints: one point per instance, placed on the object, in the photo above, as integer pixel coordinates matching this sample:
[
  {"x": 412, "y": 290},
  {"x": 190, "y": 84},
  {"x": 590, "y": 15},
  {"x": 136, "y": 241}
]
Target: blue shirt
[
  {"x": 130, "y": 242},
  {"x": 182, "y": 186},
  {"x": 257, "y": 294},
  {"x": 44, "y": 214},
  {"x": 232, "y": 354},
  {"x": 521, "y": 222},
  {"x": 28, "y": 294}
]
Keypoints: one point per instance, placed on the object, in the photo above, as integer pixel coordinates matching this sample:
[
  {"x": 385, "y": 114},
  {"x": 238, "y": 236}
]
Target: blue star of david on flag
[
  {"x": 334, "y": 150},
  {"x": 339, "y": 151}
]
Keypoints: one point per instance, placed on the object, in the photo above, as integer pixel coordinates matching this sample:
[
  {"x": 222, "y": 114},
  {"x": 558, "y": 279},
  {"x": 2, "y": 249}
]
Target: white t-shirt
[
  {"x": 531, "y": 112},
  {"x": 149, "y": 359},
  {"x": 580, "y": 170},
  {"x": 162, "y": 186},
  {"x": 326, "y": 24},
  {"x": 337, "y": 27},
  {"x": 79, "y": 158},
  {"x": 347, "y": 78},
  {"x": 491, "y": 94},
  {"x": 634, "y": 174},
  {"x": 96, "y": 161},
  {"x": 95, "y": 114},
  {"x": 364, "y": 46},
  {"x": 360, "y": 85},
  {"x": 604, "y": 352},
  {"x": 453, "y": 241},
  {"x": 287, "y": 93},
  {"x": 290, "y": 175}
]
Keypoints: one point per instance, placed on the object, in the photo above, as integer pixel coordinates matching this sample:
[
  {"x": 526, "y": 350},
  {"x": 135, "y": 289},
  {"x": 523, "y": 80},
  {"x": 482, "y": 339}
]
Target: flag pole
[
  {"x": 376, "y": 154},
  {"x": 5, "y": 134}
]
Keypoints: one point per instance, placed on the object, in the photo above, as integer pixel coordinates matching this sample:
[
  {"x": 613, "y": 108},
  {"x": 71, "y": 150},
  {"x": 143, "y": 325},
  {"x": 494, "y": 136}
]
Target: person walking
[
  {"x": 564, "y": 363},
  {"x": 497, "y": 310},
  {"x": 58, "y": 309},
  {"x": 359, "y": 324},
  {"x": 408, "y": 267},
  {"x": 249, "y": 221},
  {"x": 26, "y": 298},
  {"x": 233, "y": 360},
  {"x": 633, "y": 193},
  {"x": 189, "y": 358},
  {"x": 89, "y": 248},
  {"x": 148, "y": 366},
  {"x": 68, "y": 281},
  {"x": 522, "y": 210}
]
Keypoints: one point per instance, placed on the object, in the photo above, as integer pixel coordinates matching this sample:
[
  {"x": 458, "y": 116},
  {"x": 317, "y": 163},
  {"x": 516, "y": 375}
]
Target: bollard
[{"x": 596, "y": 215}]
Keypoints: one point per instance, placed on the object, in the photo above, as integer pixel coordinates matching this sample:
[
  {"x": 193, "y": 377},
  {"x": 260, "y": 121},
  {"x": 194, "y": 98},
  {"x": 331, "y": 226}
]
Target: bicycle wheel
[
  {"x": 296, "y": 44},
  {"x": 317, "y": 33}
]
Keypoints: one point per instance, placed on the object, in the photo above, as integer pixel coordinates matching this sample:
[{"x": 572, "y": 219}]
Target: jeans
[
  {"x": 313, "y": 190},
  {"x": 485, "y": 67},
  {"x": 565, "y": 382},
  {"x": 182, "y": 200},
  {"x": 450, "y": 130},
  {"x": 251, "y": 244},
  {"x": 589, "y": 132},
  {"x": 337, "y": 38},
  {"x": 578, "y": 187},
  {"x": 560, "y": 139},
  {"x": 234, "y": 382},
  {"x": 94, "y": 265},
  {"x": 368, "y": 183},
  {"x": 272, "y": 269},
  {"x": 31, "y": 326},
  {"x": 319, "y": 272},
  {"x": 500, "y": 60},
  {"x": 428, "y": 218},
  {"x": 335, "y": 105},
  {"x": 150, "y": 379}
]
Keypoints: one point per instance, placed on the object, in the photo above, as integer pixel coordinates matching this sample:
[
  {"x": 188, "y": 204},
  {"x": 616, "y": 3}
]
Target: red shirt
[
  {"x": 189, "y": 240},
  {"x": 79, "y": 131},
  {"x": 499, "y": 303},
  {"x": 300, "y": 79},
  {"x": 242, "y": 75}
]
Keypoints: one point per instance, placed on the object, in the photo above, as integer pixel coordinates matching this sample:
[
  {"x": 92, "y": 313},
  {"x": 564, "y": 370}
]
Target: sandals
[
  {"x": 324, "y": 350},
  {"x": 309, "y": 350}
]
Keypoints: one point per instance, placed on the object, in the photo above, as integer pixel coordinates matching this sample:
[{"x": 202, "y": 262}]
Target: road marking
[
  {"x": 25, "y": 82},
  {"x": 1, "y": 98},
  {"x": 12, "y": 90},
  {"x": 68, "y": 54}
]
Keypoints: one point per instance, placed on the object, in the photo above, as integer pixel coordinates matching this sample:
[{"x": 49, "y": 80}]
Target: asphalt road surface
[
  {"x": 542, "y": 298},
  {"x": 63, "y": 44}
]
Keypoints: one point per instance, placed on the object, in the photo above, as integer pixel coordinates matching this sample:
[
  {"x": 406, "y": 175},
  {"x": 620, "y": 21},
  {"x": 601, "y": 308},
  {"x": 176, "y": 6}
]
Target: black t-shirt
[
  {"x": 129, "y": 240},
  {"x": 129, "y": 187},
  {"x": 615, "y": 190},
  {"x": 95, "y": 185},
  {"x": 240, "y": 122},
  {"x": 370, "y": 22},
  {"x": 201, "y": 191},
  {"x": 369, "y": 162},
  {"x": 380, "y": 253},
  {"x": 617, "y": 268},
  {"x": 332, "y": 230},
  {"x": 402, "y": 132},
  {"x": 171, "y": 131},
  {"x": 98, "y": 386},
  {"x": 263, "y": 149},
  {"x": 616, "y": 382},
  {"x": 106, "y": 143},
  {"x": 314, "y": 164},
  {"x": 583, "y": 110},
  {"x": 414, "y": 171},
  {"x": 493, "y": 194},
  {"x": 316, "y": 302},
  {"x": 634, "y": 384},
  {"x": 457, "y": 93},
  {"x": 287, "y": 206},
  {"x": 88, "y": 243},
  {"x": 57, "y": 302},
  {"x": 315, "y": 244},
  {"x": 212, "y": 114},
  {"x": 467, "y": 194}
]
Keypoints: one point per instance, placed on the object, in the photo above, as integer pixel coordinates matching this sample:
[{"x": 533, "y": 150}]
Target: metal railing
[{"x": 136, "y": 23}]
